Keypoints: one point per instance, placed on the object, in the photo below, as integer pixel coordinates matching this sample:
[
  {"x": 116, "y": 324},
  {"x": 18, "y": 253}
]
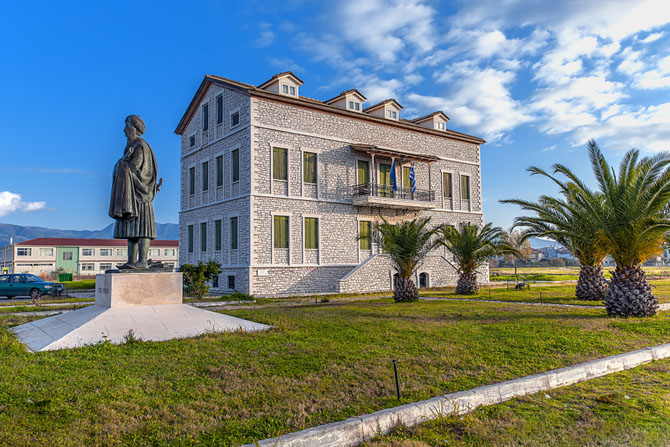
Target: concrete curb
[{"x": 356, "y": 430}]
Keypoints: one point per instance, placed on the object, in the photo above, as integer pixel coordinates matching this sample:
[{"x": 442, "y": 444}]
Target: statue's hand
[{"x": 160, "y": 183}]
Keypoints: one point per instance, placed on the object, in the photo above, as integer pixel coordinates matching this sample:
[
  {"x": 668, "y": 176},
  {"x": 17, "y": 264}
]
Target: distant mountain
[
  {"x": 537, "y": 242},
  {"x": 19, "y": 233}
]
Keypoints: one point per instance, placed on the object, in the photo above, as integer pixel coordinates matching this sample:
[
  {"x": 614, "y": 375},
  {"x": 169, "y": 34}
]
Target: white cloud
[
  {"x": 10, "y": 202},
  {"x": 656, "y": 78},
  {"x": 285, "y": 64},
  {"x": 631, "y": 63},
  {"x": 652, "y": 37},
  {"x": 385, "y": 27}
]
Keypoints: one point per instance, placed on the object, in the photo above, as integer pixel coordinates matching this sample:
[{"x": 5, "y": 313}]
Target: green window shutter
[
  {"x": 279, "y": 163},
  {"x": 446, "y": 185},
  {"x": 217, "y": 235},
  {"x": 219, "y": 170},
  {"x": 311, "y": 233},
  {"x": 309, "y": 167},
  {"x": 205, "y": 176},
  {"x": 235, "y": 156},
  {"x": 203, "y": 236},
  {"x": 233, "y": 233},
  {"x": 363, "y": 172},
  {"x": 280, "y": 232},
  {"x": 190, "y": 238},
  {"x": 465, "y": 187},
  {"x": 364, "y": 235},
  {"x": 191, "y": 181}
]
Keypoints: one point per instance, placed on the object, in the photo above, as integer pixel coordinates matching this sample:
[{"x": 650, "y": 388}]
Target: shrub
[{"x": 196, "y": 277}]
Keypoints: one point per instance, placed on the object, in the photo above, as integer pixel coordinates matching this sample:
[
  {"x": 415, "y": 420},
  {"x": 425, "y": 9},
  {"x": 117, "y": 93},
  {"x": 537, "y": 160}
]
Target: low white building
[{"x": 81, "y": 257}]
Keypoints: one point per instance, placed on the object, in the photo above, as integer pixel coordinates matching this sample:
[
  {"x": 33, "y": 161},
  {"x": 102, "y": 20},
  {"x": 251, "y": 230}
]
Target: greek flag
[
  {"x": 393, "y": 180},
  {"x": 412, "y": 180}
]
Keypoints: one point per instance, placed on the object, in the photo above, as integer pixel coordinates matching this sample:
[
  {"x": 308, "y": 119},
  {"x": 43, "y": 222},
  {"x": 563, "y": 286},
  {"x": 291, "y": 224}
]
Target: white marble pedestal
[{"x": 148, "y": 304}]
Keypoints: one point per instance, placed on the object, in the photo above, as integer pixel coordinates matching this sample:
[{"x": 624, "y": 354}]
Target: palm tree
[
  {"x": 565, "y": 221},
  {"x": 630, "y": 221},
  {"x": 471, "y": 246},
  {"x": 407, "y": 244}
]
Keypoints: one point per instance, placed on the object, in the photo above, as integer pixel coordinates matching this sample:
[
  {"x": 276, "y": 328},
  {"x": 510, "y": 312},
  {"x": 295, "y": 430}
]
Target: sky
[{"x": 535, "y": 79}]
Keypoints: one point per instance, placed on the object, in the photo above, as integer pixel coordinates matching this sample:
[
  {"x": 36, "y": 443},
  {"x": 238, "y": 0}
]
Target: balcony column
[{"x": 430, "y": 183}]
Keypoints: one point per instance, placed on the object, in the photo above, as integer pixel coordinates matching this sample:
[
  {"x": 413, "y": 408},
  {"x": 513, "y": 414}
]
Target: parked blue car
[{"x": 24, "y": 284}]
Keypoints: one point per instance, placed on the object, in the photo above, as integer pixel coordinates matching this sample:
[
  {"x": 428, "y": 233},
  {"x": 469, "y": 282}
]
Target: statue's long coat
[{"x": 133, "y": 192}]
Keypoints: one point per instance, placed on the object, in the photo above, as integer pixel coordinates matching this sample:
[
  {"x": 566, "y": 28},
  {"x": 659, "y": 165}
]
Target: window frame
[
  {"x": 368, "y": 238},
  {"x": 288, "y": 231},
  {"x": 204, "y": 175},
  {"x": 232, "y": 114},
  {"x": 190, "y": 236},
  {"x": 218, "y": 235},
  {"x": 27, "y": 251},
  {"x": 191, "y": 141},
  {"x": 316, "y": 167},
  {"x": 234, "y": 169},
  {"x": 219, "y": 109},
  {"x": 203, "y": 239},
  {"x": 317, "y": 240},
  {"x": 191, "y": 180},
  {"x": 234, "y": 242},
  {"x": 219, "y": 162},
  {"x": 368, "y": 162},
  {"x": 274, "y": 164},
  {"x": 469, "y": 187},
  {"x": 205, "y": 117},
  {"x": 91, "y": 251},
  {"x": 451, "y": 192}
]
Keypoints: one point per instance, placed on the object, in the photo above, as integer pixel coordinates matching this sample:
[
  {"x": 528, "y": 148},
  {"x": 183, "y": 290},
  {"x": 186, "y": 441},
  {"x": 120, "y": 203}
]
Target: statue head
[{"x": 134, "y": 123}]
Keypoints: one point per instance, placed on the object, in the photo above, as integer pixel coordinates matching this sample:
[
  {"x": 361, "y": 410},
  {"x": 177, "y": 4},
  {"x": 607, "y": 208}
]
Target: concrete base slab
[{"x": 97, "y": 323}]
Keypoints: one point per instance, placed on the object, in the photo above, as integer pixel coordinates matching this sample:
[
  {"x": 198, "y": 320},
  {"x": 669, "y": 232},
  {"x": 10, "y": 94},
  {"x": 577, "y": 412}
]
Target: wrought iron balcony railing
[{"x": 375, "y": 190}]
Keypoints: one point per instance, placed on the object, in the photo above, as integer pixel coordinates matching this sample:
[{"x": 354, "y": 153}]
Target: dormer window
[
  {"x": 392, "y": 114},
  {"x": 440, "y": 126},
  {"x": 355, "y": 105},
  {"x": 288, "y": 89}
]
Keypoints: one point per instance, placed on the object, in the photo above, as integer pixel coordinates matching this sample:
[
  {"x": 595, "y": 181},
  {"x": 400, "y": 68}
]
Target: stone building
[
  {"x": 283, "y": 190},
  {"x": 81, "y": 257}
]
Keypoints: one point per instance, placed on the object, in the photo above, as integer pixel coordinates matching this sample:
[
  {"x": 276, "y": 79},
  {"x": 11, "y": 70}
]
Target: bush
[
  {"x": 238, "y": 296},
  {"x": 196, "y": 277}
]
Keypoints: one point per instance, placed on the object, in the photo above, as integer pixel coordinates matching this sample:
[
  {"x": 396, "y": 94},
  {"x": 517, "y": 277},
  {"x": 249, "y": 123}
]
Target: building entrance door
[{"x": 385, "y": 185}]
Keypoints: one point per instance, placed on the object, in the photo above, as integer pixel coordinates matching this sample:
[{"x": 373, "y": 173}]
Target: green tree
[
  {"x": 630, "y": 221},
  {"x": 567, "y": 221},
  {"x": 471, "y": 247},
  {"x": 407, "y": 244},
  {"x": 196, "y": 277}
]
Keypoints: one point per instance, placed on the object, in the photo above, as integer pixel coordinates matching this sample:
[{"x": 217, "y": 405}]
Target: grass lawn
[
  {"x": 318, "y": 364},
  {"x": 623, "y": 409},
  {"x": 79, "y": 284},
  {"x": 555, "y": 294}
]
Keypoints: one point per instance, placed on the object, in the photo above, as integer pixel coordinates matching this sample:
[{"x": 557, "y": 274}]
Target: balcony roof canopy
[{"x": 370, "y": 149}]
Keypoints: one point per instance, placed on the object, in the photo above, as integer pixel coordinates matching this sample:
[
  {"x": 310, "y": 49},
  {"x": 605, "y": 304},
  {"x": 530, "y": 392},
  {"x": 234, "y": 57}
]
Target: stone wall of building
[{"x": 305, "y": 280}]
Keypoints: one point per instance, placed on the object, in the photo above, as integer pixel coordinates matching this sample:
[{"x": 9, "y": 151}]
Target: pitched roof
[
  {"x": 379, "y": 104},
  {"x": 251, "y": 90},
  {"x": 73, "y": 242},
  {"x": 281, "y": 75},
  {"x": 430, "y": 115},
  {"x": 346, "y": 92}
]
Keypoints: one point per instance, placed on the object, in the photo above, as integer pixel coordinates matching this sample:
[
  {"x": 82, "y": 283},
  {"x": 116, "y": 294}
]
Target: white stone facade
[{"x": 268, "y": 120}]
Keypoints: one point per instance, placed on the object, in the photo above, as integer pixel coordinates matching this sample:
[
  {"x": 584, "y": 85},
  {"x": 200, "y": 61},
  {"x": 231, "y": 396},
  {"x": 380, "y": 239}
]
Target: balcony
[{"x": 370, "y": 194}]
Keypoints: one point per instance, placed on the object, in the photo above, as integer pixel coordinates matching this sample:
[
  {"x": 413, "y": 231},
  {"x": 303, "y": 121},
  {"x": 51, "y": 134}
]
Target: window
[
  {"x": 392, "y": 114},
  {"x": 217, "y": 235},
  {"x": 440, "y": 126},
  {"x": 105, "y": 252},
  {"x": 46, "y": 251},
  {"x": 205, "y": 176},
  {"x": 215, "y": 282},
  {"x": 4, "y": 278},
  {"x": 191, "y": 141},
  {"x": 219, "y": 171},
  {"x": 121, "y": 252},
  {"x": 24, "y": 251},
  {"x": 235, "y": 119},
  {"x": 288, "y": 90},
  {"x": 279, "y": 163},
  {"x": 280, "y": 232},
  {"x": 154, "y": 252},
  {"x": 446, "y": 185},
  {"x": 364, "y": 235},
  {"x": 219, "y": 109},
  {"x": 235, "y": 156},
  {"x": 309, "y": 167},
  {"x": 191, "y": 181},
  {"x": 87, "y": 267},
  {"x": 169, "y": 252},
  {"x": 405, "y": 177},
  {"x": 190, "y": 238},
  {"x": 87, "y": 252},
  {"x": 105, "y": 266},
  {"x": 233, "y": 233},
  {"x": 354, "y": 105},
  {"x": 205, "y": 117},
  {"x": 203, "y": 236},
  {"x": 465, "y": 187},
  {"x": 363, "y": 172},
  {"x": 311, "y": 233},
  {"x": 67, "y": 256},
  {"x": 231, "y": 282},
  {"x": 423, "y": 280}
]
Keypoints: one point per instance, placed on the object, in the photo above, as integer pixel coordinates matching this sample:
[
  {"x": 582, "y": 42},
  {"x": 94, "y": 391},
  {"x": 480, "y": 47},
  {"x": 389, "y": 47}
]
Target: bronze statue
[{"x": 134, "y": 187}]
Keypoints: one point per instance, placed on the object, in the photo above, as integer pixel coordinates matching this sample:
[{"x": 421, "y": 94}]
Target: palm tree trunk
[
  {"x": 467, "y": 284},
  {"x": 405, "y": 290},
  {"x": 630, "y": 294},
  {"x": 592, "y": 284}
]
